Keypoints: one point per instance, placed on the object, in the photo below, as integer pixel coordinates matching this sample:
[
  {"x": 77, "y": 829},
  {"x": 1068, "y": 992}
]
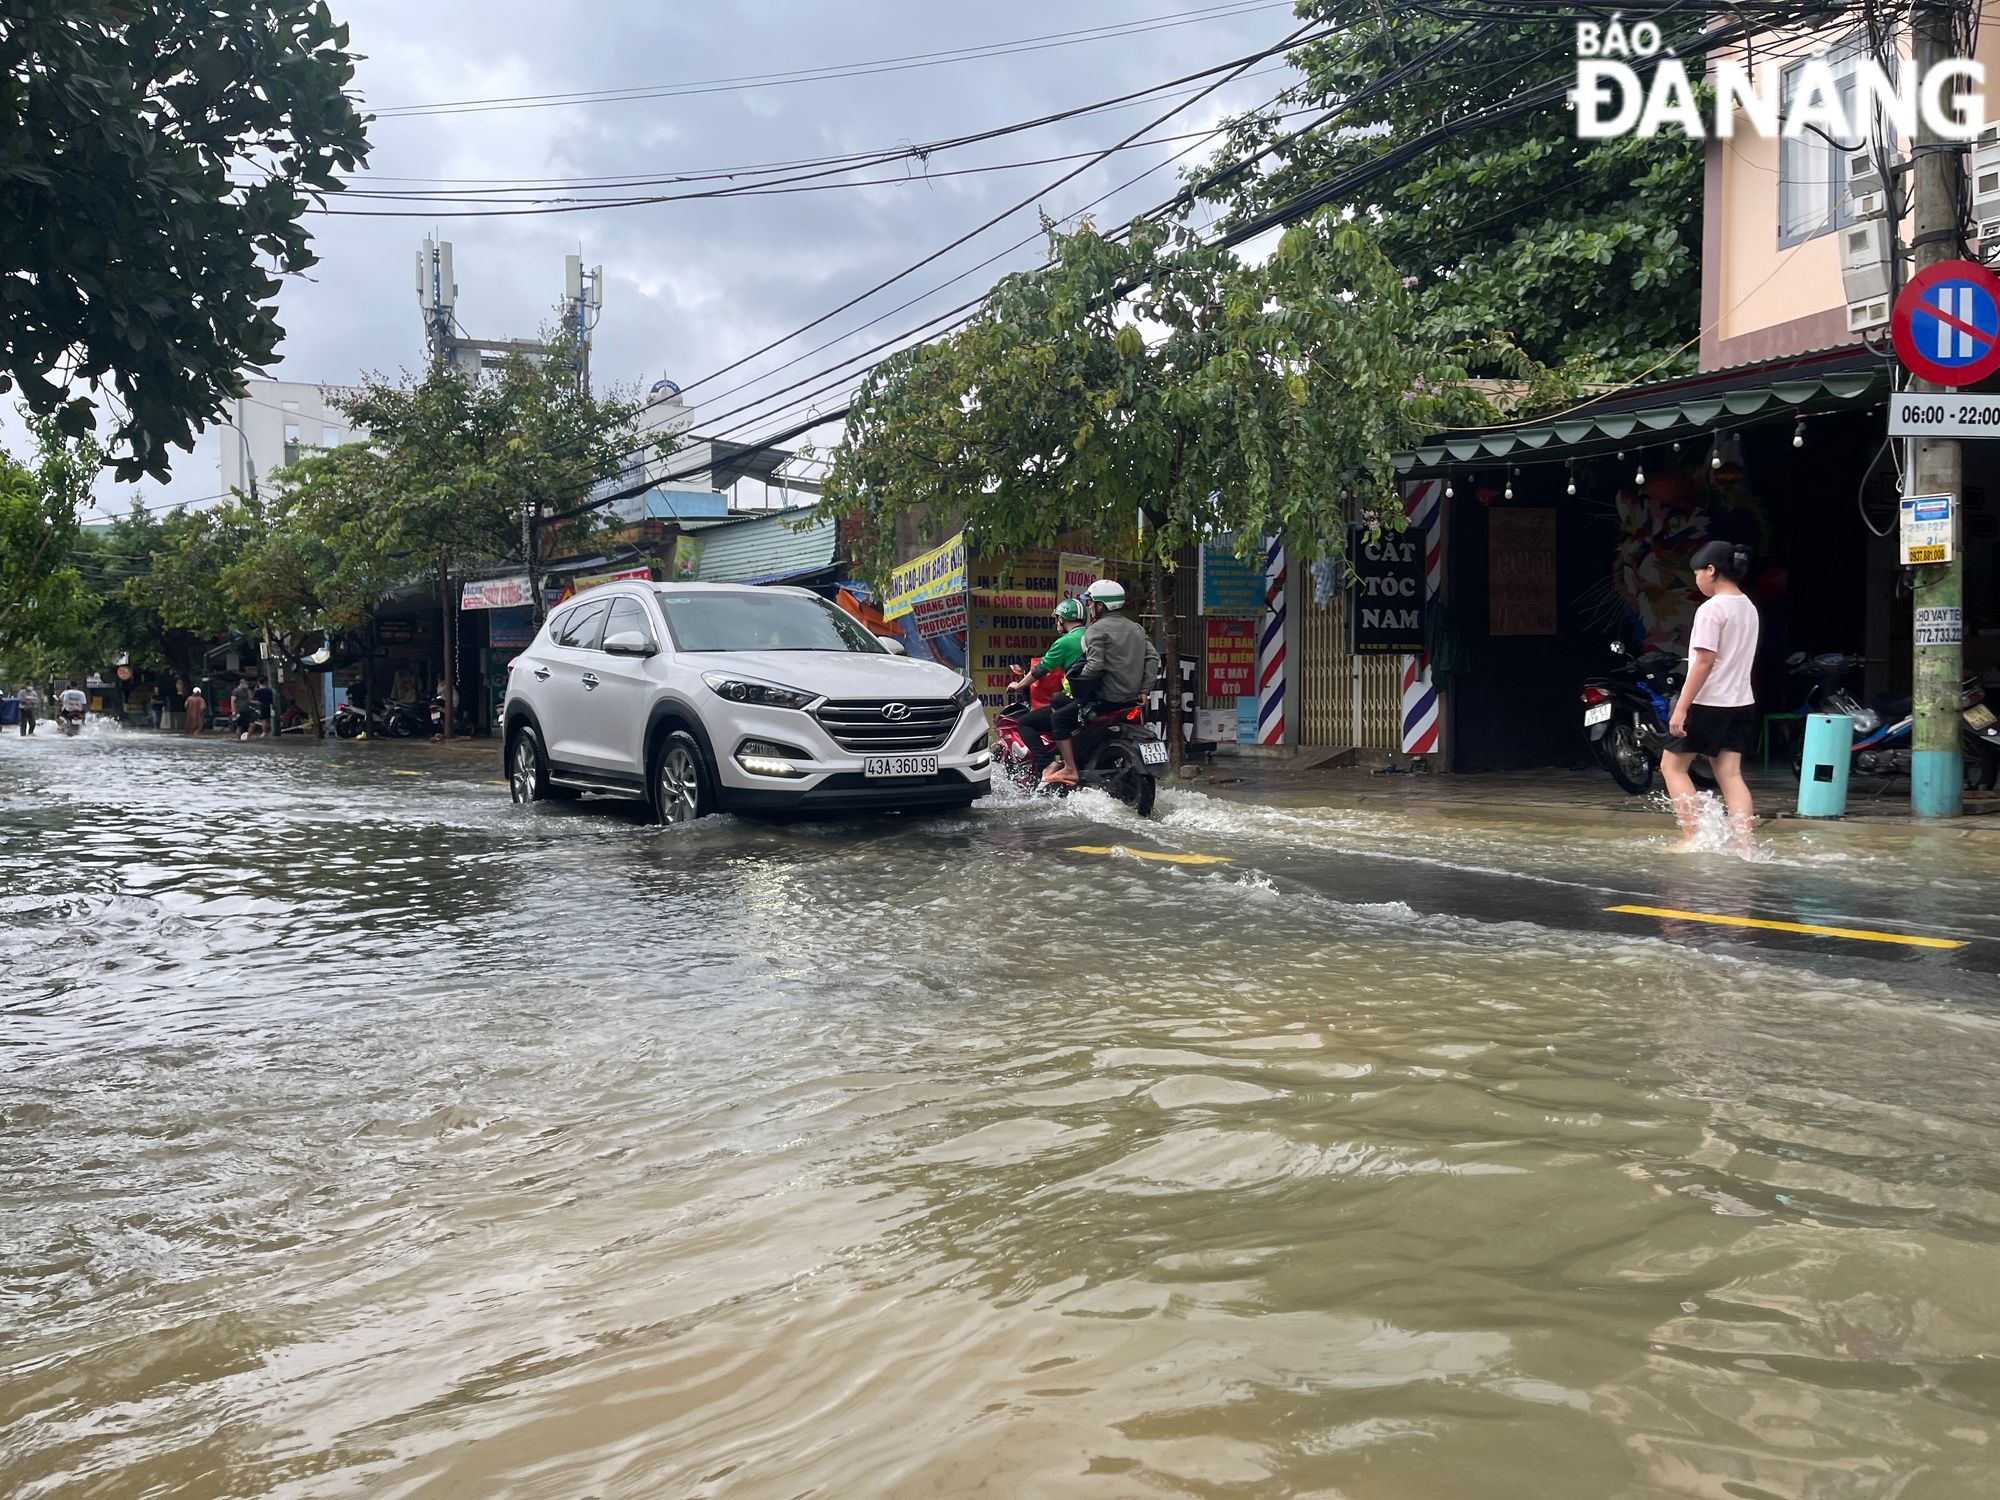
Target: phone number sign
[{"x": 1929, "y": 529}]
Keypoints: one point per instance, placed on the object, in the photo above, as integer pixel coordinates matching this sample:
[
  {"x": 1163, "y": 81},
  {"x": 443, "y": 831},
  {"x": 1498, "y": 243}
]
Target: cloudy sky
[{"x": 693, "y": 285}]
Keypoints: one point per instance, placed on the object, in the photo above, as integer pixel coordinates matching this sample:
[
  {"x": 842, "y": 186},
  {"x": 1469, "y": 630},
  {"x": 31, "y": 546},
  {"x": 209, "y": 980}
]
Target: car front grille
[{"x": 859, "y": 726}]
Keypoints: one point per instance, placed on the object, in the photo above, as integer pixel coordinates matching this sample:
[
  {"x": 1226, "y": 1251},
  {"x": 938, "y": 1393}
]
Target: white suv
[{"x": 700, "y": 698}]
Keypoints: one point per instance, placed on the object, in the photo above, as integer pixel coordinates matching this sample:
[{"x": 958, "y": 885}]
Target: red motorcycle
[{"x": 1116, "y": 752}]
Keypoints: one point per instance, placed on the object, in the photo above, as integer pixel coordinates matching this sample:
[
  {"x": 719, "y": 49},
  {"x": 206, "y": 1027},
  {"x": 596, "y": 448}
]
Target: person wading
[
  {"x": 31, "y": 704},
  {"x": 1716, "y": 714}
]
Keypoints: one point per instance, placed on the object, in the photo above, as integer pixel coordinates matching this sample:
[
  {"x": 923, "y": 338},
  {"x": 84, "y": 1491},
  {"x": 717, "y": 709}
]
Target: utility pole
[{"x": 1937, "y": 785}]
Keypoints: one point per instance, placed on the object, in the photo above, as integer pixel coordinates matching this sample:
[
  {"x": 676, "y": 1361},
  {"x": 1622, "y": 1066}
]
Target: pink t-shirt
[{"x": 1727, "y": 625}]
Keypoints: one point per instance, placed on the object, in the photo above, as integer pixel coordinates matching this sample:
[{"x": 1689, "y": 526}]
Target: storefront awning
[{"x": 1698, "y": 406}]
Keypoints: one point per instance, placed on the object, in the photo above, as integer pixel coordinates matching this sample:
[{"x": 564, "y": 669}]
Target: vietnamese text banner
[
  {"x": 496, "y": 593},
  {"x": 937, "y": 573}
]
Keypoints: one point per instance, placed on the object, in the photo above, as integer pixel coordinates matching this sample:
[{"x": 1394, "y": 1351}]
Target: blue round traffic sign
[{"x": 1946, "y": 323}]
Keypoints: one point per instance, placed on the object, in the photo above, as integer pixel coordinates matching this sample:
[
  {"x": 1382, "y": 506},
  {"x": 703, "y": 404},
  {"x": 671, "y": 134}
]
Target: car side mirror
[
  {"x": 628, "y": 643},
  {"x": 893, "y": 646}
]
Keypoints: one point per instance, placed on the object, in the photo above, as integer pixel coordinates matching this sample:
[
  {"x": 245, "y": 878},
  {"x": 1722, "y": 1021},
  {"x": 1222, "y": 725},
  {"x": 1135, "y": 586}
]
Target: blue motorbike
[{"x": 1884, "y": 728}]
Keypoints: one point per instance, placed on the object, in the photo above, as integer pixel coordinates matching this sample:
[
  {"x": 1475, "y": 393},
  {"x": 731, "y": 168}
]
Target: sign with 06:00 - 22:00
[{"x": 1929, "y": 414}]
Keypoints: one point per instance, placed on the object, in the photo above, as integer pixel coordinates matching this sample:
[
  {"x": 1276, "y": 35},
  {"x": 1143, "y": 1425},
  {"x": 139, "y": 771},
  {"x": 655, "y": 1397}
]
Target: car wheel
[
  {"x": 527, "y": 767},
  {"x": 679, "y": 782}
]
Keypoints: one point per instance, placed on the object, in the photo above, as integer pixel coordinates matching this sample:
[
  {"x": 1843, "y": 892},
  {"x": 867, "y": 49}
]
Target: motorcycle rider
[
  {"x": 71, "y": 706},
  {"x": 1119, "y": 664},
  {"x": 1043, "y": 679}
]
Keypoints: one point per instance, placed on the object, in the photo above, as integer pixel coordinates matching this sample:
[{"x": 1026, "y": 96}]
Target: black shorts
[{"x": 1714, "y": 731}]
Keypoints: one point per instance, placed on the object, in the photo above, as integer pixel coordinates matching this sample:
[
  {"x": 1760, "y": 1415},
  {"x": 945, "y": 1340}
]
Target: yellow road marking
[
  {"x": 407, "y": 773},
  {"x": 1859, "y": 934},
  {"x": 1152, "y": 854}
]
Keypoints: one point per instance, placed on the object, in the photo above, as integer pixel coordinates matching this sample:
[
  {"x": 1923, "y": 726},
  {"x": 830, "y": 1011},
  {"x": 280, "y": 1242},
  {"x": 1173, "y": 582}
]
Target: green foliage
[
  {"x": 1156, "y": 375},
  {"x": 456, "y": 463},
  {"x": 129, "y": 258},
  {"x": 1583, "y": 254},
  {"x": 42, "y": 598}
]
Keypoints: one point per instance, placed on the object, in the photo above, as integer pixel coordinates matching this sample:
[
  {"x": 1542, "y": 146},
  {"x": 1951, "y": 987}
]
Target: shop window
[{"x": 1813, "y": 193}]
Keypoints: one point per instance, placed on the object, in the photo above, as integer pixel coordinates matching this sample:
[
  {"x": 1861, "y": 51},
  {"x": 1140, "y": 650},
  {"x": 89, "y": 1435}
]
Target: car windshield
[{"x": 761, "y": 621}]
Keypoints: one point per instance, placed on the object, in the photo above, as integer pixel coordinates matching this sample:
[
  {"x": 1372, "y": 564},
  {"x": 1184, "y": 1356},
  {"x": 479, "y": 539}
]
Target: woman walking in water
[{"x": 1716, "y": 714}]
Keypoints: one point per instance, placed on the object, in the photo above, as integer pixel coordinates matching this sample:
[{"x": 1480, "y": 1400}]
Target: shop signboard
[
  {"x": 1929, "y": 531},
  {"x": 1521, "y": 571},
  {"x": 940, "y": 617},
  {"x": 1076, "y": 572},
  {"x": 1230, "y": 585},
  {"x": 1232, "y": 659},
  {"x": 1215, "y": 725},
  {"x": 510, "y": 629},
  {"x": 1385, "y": 600},
  {"x": 934, "y": 575},
  {"x": 496, "y": 593},
  {"x": 1008, "y": 621},
  {"x": 571, "y": 587}
]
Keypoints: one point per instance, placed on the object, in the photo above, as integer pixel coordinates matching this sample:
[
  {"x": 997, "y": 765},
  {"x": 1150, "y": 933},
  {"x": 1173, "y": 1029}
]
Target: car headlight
[
  {"x": 762, "y": 694},
  {"x": 964, "y": 698}
]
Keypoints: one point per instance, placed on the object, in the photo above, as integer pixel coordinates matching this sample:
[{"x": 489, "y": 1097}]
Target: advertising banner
[
  {"x": 496, "y": 593},
  {"x": 1009, "y": 620},
  {"x": 1075, "y": 573},
  {"x": 571, "y": 587},
  {"x": 937, "y": 573},
  {"x": 1232, "y": 660},
  {"x": 1385, "y": 602},
  {"x": 687, "y": 558},
  {"x": 936, "y": 617},
  {"x": 509, "y": 629},
  {"x": 1230, "y": 585}
]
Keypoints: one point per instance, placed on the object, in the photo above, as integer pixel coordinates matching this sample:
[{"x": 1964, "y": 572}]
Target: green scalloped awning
[{"x": 1697, "y": 414}]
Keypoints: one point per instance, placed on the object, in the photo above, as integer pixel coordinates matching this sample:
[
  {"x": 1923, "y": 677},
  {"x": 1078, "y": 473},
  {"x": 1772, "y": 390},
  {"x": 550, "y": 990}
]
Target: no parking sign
[{"x": 1946, "y": 323}]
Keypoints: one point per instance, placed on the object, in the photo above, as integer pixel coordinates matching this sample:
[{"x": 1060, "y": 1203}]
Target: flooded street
[{"x": 362, "y": 1134}]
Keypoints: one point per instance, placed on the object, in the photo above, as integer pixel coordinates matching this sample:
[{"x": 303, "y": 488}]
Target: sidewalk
[{"x": 1285, "y": 783}]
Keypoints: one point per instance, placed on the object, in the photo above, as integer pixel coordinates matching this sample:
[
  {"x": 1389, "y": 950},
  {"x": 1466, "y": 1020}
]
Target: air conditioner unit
[
  {"x": 1864, "y": 260},
  {"x": 1873, "y": 313},
  {"x": 1861, "y": 174},
  {"x": 1984, "y": 170}
]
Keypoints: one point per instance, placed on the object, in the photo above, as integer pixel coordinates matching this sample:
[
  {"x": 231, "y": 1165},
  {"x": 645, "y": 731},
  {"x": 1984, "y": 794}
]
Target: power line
[
  {"x": 1241, "y": 65},
  {"x": 824, "y": 73}
]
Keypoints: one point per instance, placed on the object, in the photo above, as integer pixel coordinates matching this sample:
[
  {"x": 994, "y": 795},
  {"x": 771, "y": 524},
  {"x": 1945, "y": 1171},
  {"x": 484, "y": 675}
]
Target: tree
[
  {"x": 461, "y": 467},
  {"x": 130, "y": 256},
  {"x": 1161, "y": 377},
  {"x": 1585, "y": 254},
  {"x": 42, "y": 598}
]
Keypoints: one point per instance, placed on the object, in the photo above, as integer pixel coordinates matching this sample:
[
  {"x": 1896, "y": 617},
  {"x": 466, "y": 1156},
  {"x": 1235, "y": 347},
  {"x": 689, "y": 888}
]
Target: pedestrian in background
[
  {"x": 197, "y": 712},
  {"x": 31, "y": 703},
  {"x": 239, "y": 707},
  {"x": 1716, "y": 714},
  {"x": 265, "y": 701}
]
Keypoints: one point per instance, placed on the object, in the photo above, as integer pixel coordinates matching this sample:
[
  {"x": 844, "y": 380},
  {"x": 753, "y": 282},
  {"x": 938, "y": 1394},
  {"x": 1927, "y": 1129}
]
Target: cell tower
[{"x": 448, "y": 344}]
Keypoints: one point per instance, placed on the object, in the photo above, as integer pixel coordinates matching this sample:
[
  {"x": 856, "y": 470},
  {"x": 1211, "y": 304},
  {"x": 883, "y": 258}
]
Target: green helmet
[
  {"x": 1105, "y": 592},
  {"x": 1069, "y": 611}
]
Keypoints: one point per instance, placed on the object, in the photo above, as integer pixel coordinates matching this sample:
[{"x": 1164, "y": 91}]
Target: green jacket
[{"x": 1064, "y": 652}]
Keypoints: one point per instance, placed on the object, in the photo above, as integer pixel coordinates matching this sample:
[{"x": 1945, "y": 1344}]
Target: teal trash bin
[
  {"x": 1823, "y": 773},
  {"x": 10, "y": 711}
]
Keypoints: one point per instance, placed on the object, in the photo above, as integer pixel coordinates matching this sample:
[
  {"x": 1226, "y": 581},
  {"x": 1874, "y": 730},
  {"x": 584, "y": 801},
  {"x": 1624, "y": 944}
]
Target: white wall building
[{"x": 275, "y": 423}]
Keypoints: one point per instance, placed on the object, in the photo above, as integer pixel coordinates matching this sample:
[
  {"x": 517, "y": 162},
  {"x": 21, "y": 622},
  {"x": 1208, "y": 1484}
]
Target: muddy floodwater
[{"x": 363, "y": 1135}]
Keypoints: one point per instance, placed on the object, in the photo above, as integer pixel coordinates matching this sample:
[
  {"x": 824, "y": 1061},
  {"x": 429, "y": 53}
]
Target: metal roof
[
  {"x": 1645, "y": 415},
  {"x": 767, "y": 548}
]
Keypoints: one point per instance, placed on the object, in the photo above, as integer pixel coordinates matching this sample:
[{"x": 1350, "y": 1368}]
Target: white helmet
[{"x": 1105, "y": 592}]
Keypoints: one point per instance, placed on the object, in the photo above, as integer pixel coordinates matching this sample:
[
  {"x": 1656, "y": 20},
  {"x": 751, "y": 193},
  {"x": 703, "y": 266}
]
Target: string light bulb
[
  {"x": 1508, "y": 493},
  {"x": 1572, "y": 476},
  {"x": 1799, "y": 433},
  {"x": 1639, "y": 474},
  {"x": 1447, "y": 486}
]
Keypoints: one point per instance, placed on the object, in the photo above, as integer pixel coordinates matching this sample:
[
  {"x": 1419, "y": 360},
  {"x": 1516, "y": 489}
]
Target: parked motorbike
[
  {"x": 1626, "y": 713},
  {"x": 1117, "y": 752},
  {"x": 461, "y": 718},
  {"x": 1884, "y": 729}
]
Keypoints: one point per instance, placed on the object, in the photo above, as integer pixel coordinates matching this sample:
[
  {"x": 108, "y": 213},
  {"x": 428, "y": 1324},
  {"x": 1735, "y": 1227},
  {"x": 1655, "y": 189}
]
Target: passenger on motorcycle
[
  {"x": 1119, "y": 664},
  {"x": 1043, "y": 679}
]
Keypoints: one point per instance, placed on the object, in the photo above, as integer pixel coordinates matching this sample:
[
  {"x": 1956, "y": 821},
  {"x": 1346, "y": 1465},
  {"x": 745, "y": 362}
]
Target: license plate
[
  {"x": 1152, "y": 752},
  {"x": 878, "y": 767},
  {"x": 1597, "y": 713},
  {"x": 1979, "y": 716}
]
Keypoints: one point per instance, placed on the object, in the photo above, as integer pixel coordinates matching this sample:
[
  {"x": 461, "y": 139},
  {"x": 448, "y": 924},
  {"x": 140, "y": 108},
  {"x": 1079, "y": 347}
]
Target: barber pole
[
  {"x": 1271, "y": 649},
  {"x": 1422, "y": 505}
]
